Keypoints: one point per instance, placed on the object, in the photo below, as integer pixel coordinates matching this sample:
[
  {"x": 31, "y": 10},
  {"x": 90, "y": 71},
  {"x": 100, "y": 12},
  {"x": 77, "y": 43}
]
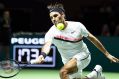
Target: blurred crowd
[
  {"x": 104, "y": 20},
  {"x": 101, "y": 20},
  {"x": 5, "y": 32}
]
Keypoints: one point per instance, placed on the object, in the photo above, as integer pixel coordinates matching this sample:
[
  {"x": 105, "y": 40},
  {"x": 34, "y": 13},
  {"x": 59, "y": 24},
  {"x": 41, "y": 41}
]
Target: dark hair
[{"x": 58, "y": 7}]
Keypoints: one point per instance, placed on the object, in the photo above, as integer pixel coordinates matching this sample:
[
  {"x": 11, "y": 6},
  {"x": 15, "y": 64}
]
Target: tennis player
[{"x": 69, "y": 41}]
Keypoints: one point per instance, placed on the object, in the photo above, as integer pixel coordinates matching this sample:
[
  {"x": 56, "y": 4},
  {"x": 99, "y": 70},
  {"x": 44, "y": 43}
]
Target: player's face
[{"x": 56, "y": 17}]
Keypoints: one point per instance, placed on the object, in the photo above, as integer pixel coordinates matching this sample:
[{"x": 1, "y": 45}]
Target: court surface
[{"x": 52, "y": 74}]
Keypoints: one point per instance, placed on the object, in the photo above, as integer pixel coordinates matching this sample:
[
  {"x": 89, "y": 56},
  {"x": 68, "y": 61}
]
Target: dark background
[{"x": 32, "y": 15}]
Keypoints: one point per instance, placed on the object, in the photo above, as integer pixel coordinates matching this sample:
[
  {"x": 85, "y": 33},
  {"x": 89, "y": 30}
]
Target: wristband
[{"x": 44, "y": 54}]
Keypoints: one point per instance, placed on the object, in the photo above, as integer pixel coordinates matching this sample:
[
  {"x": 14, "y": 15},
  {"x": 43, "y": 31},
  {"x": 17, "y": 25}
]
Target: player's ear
[{"x": 63, "y": 14}]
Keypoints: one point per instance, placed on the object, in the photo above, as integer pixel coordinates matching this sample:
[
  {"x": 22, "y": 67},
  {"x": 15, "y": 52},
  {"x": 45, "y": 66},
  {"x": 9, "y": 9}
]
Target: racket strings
[{"x": 8, "y": 68}]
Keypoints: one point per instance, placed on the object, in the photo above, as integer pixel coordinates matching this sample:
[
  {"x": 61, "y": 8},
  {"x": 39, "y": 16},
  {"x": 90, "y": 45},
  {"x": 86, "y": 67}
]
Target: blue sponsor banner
[{"x": 26, "y": 48}]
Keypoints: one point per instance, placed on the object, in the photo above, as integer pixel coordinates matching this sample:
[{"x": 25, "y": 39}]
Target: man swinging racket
[{"x": 68, "y": 36}]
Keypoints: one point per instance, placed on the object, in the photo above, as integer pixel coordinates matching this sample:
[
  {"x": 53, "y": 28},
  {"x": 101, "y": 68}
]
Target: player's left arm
[{"x": 99, "y": 45}]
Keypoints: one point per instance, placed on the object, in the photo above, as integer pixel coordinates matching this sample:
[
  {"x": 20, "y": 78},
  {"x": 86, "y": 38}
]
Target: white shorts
[{"x": 83, "y": 60}]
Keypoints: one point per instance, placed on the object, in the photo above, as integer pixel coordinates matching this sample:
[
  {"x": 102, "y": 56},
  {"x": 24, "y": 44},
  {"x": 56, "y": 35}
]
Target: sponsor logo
[{"x": 27, "y": 41}]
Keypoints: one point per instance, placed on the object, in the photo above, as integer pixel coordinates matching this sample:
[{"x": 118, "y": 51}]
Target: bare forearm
[
  {"x": 98, "y": 44},
  {"x": 44, "y": 52},
  {"x": 46, "y": 48}
]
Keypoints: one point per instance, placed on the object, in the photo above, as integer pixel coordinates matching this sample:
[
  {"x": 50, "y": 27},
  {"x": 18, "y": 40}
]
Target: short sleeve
[
  {"x": 84, "y": 31},
  {"x": 49, "y": 35}
]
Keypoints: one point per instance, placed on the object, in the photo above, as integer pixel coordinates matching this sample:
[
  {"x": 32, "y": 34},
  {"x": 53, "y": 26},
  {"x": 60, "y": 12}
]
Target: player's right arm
[
  {"x": 44, "y": 52},
  {"x": 46, "y": 47}
]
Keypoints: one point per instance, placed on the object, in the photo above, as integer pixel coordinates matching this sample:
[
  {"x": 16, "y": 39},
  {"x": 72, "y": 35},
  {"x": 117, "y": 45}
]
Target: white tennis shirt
[{"x": 68, "y": 41}]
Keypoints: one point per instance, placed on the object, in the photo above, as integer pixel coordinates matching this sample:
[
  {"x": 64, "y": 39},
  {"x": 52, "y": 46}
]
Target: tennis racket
[{"x": 10, "y": 68}]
